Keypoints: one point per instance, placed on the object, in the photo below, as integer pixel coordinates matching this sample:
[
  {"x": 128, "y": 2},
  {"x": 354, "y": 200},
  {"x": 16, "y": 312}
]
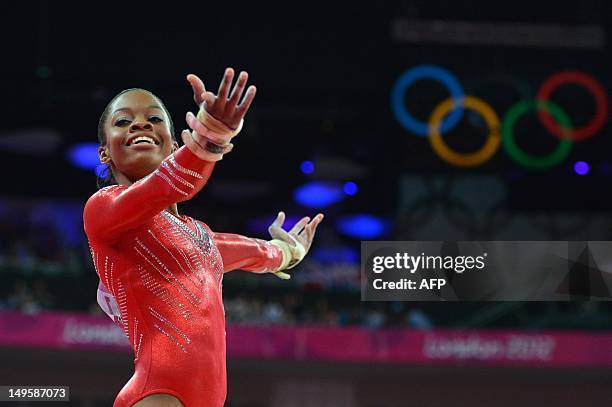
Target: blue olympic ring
[{"x": 432, "y": 72}]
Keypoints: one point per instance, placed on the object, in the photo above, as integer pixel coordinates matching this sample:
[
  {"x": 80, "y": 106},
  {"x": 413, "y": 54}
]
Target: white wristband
[
  {"x": 215, "y": 130},
  {"x": 292, "y": 255}
]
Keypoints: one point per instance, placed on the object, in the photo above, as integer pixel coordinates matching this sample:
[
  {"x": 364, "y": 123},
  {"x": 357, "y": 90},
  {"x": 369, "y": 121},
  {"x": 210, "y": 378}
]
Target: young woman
[{"x": 161, "y": 272}]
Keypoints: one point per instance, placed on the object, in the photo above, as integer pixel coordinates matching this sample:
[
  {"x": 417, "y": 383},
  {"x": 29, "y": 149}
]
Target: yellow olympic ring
[{"x": 465, "y": 159}]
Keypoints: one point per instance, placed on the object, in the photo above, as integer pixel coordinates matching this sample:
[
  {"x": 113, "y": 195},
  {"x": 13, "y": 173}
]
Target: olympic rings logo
[{"x": 449, "y": 112}]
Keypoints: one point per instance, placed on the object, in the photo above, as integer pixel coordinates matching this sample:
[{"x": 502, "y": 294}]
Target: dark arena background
[{"x": 340, "y": 126}]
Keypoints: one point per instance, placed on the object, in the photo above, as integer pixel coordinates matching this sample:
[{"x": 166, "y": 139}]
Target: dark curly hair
[{"x": 106, "y": 177}]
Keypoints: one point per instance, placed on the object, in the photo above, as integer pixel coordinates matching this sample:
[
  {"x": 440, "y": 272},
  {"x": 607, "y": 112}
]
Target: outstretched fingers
[
  {"x": 224, "y": 87},
  {"x": 297, "y": 228},
  {"x": 277, "y": 226},
  {"x": 199, "y": 90},
  {"x": 307, "y": 235},
  {"x": 238, "y": 90},
  {"x": 277, "y": 232},
  {"x": 280, "y": 219},
  {"x": 243, "y": 107}
]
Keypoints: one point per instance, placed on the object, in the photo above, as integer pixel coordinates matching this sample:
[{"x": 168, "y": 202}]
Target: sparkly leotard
[{"x": 160, "y": 280}]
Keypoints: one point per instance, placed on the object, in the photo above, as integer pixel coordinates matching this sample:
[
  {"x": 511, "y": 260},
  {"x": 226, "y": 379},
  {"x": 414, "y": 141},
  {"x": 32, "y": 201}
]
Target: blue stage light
[
  {"x": 362, "y": 226},
  {"x": 605, "y": 169},
  {"x": 581, "y": 168},
  {"x": 350, "y": 188},
  {"x": 101, "y": 170},
  {"x": 307, "y": 167},
  {"x": 342, "y": 254},
  {"x": 84, "y": 155},
  {"x": 318, "y": 194}
]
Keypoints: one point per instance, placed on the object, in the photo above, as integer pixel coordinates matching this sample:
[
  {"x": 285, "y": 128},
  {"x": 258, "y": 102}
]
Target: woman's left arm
[
  {"x": 246, "y": 253},
  {"x": 261, "y": 256}
]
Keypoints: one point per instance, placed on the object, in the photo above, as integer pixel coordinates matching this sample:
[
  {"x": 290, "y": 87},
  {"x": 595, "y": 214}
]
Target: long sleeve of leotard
[
  {"x": 246, "y": 253},
  {"x": 113, "y": 210}
]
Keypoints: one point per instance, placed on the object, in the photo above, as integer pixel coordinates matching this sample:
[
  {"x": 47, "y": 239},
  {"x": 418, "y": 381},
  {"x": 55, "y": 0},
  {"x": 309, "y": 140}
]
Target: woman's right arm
[
  {"x": 113, "y": 210},
  {"x": 116, "y": 209}
]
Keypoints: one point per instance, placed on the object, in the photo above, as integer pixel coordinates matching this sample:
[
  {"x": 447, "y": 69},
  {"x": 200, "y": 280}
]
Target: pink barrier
[{"x": 502, "y": 348}]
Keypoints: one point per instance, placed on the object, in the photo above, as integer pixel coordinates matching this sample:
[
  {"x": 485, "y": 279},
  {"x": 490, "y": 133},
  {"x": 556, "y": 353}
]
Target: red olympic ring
[{"x": 594, "y": 87}]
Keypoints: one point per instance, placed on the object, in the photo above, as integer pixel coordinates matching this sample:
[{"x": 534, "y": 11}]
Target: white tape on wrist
[
  {"x": 292, "y": 255},
  {"x": 217, "y": 130},
  {"x": 203, "y": 153}
]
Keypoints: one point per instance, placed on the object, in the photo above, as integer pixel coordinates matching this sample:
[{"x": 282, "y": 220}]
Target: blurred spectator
[
  {"x": 375, "y": 318},
  {"x": 273, "y": 313},
  {"x": 40, "y": 292},
  {"x": 418, "y": 319},
  {"x": 236, "y": 309},
  {"x": 22, "y": 299}
]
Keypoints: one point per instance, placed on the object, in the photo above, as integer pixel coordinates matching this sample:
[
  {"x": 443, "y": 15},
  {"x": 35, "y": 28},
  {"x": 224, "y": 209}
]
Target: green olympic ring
[{"x": 559, "y": 154}]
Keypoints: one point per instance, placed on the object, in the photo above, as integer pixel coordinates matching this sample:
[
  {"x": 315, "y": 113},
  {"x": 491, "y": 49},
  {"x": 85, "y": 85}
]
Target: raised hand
[
  {"x": 302, "y": 231},
  {"x": 302, "y": 234},
  {"x": 226, "y": 106}
]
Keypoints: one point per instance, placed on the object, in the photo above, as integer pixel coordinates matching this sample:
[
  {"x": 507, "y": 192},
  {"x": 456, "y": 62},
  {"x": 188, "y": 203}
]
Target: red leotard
[{"x": 160, "y": 278}]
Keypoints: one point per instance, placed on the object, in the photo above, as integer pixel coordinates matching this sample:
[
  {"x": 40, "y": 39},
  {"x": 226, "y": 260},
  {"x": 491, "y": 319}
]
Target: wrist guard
[{"x": 292, "y": 255}]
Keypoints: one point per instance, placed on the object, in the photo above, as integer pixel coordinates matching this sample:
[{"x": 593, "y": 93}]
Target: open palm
[{"x": 227, "y": 107}]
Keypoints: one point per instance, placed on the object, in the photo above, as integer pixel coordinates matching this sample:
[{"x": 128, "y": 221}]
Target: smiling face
[{"x": 137, "y": 134}]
